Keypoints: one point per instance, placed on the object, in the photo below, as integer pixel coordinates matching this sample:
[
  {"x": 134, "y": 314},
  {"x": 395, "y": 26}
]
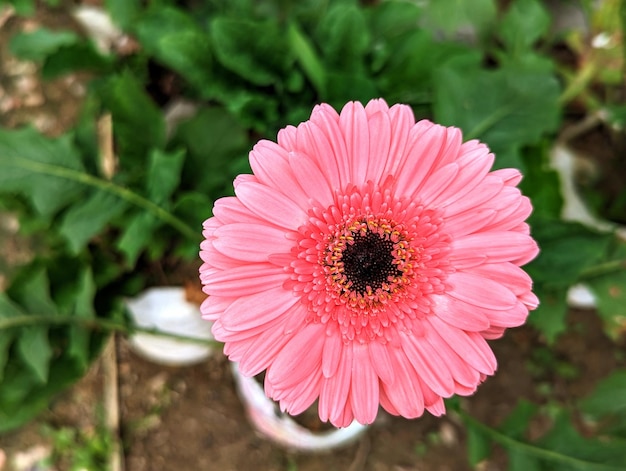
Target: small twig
[{"x": 111, "y": 403}]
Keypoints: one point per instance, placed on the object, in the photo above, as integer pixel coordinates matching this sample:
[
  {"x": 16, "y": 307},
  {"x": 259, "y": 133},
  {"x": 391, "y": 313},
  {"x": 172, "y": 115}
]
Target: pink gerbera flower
[{"x": 365, "y": 262}]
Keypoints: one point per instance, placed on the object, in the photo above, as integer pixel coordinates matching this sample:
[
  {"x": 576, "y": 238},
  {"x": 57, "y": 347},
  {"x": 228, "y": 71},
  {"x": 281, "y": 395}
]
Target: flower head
[{"x": 366, "y": 261}]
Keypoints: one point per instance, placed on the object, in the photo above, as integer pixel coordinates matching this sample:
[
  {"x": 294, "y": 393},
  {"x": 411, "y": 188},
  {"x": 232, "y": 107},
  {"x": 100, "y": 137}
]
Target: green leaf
[
  {"x": 343, "y": 37},
  {"x": 454, "y": 16},
  {"x": 254, "y": 50},
  {"x": 34, "y": 348},
  {"x": 542, "y": 184},
  {"x": 163, "y": 176},
  {"x": 32, "y": 291},
  {"x": 524, "y": 23},
  {"x": 307, "y": 57},
  {"x": 520, "y": 460},
  {"x": 37, "y": 45},
  {"x": 138, "y": 123},
  {"x": 136, "y": 236},
  {"x": 83, "y": 307},
  {"x": 27, "y": 164},
  {"x": 512, "y": 106},
  {"x": 516, "y": 422},
  {"x": 214, "y": 138},
  {"x": 550, "y": 317},
  {"x": 608, "y": 396},
  {"x": 7, "y": 309},
  {"x": 79, "y": 56},
  {"x": 567, "y": 248},
  {"x": 84, "y": 220},
  {"x": 177, "y": 41},
  {"x": 478, "y": 445},
  {"x": 123, "y": 12}
]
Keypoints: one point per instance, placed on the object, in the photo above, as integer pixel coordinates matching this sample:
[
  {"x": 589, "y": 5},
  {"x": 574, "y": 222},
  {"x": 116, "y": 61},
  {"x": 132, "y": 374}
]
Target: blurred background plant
[{"x": 177, "y": 92}]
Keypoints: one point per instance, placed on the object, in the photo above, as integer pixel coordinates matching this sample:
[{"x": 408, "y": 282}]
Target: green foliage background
[{"x": 252, "y": 67}]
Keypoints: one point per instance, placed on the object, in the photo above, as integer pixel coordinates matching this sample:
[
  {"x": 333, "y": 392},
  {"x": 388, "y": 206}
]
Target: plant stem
[
  {"x": 601, "y": 269},
  {"x": 96, "y": 323},
  {"x": 538, "y": 452},
  {"x": 124, "y": 193}
]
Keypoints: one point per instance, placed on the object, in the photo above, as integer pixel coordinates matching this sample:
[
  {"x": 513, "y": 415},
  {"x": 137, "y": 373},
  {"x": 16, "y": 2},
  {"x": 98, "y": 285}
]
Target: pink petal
[
  {"x": 498, "y": 246},
  {"x": 507, "y": 274},
  {"x": 311, "y": 178},
  {"x": 429, "y": 365},
  {"x": 459, "y": 313},
  {"x": 250, "y": 242},
  {"x": 243, "y": 280},
  {"x": 336, "y": 390},
  {"x": 379, "y": 146},
  {"x": 480, "y": 291},
  {"x": 468, "y": 345},
  {"x": 313, "y": 142},
  {"x": 469, "y": 222},
  {"x": 271, "y": 205},
  {"x": 489, "y": 188},
  {"x": 298, "y": 359},
  {"x": 353, "y": 122},
  {"x": 364, "y": 392},
  {"x": 333, "y": 347},
  {"x": 402, "y": 122},
  {"x": 405, "y": 394},
  {"x": 376, "y": 106},
  {"x": 328, "y": 126},
  {"x": 230, "y": 210},
  {"x": 381, "y": 361},
  {"x": 247, "y": 312}
]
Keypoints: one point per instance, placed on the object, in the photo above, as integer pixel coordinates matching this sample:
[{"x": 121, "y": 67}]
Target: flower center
[{"x": 368, "y": 262}]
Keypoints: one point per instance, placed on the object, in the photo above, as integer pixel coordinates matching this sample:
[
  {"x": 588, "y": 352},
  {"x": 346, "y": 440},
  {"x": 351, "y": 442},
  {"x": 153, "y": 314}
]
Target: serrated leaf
[
  {"x": 78, "y": 347},
  {"x": 176, "y": 40},
  {"x": 214, "y": 138},
  {"x": 37, "y": 45},
  {"x": 136, "y": 235},
  {"x": 34, "y": 348},
  {"x": 35, "y": 166},
  {"x": 343, "y": 37},
  {"x": 567, "y": 248},
  {"x": 511, "y": 106},
  {"x": 525, "y": 22},
  {"x": 31, "y": 290},
  {"x": 254, "y": 50},
  {"x": 163, "y": 176},
  {"x": 85, "y": 219},
  {"x": 478, "y": 445}
]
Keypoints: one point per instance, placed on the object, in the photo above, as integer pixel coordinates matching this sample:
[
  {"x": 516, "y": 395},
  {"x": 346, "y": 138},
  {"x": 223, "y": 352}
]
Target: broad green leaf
[
  {"x": 520, "y": 460},
  {"x": 413, "y": 58},
  {"x": 123, "y": 12},
  {"x": 343, "y": 38},
  {"x": 564, "y": 439},
  {"x": 542, "y": 184},
  {"x": 214, "y": 138},
  {"x": 608, "y": 397},
  {"x": 474, "y": 17},
  {"x": 567, "y": 248},
  {"x": 34, "y": 348},
  {"x": 506, "y": 107},
  {"x": 478, "y": 445},
  {"x": 255, "y": 50},
  {"x": 78, "y": 56},
  {"x": 516, "y": 422},
  {"x": 177, "y": 41},
  {"x": 163, "y": 174},
  {"x": 78, "y": 347},
  {"x": 36, "y": 166},
  {"x": 136, "y": 235},
  {"x": 550, "y": 317},
  {"x": 138, "y": 123},
  {"x": 38, "y": 44},
  {"x": 8, "y": 309},
  {"x": 85, "y": 219},
  {"x": 524, "y": 23},
  {"x": 31, "y": 290}
]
